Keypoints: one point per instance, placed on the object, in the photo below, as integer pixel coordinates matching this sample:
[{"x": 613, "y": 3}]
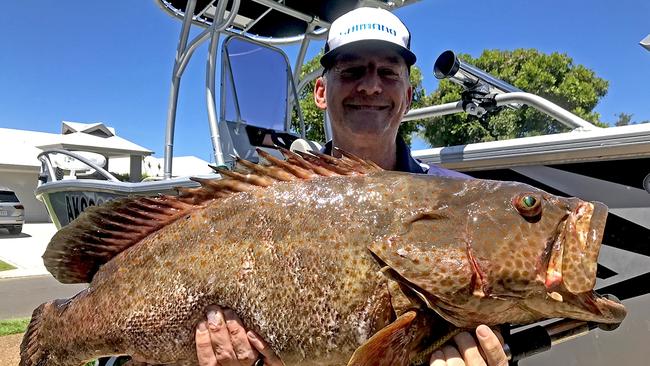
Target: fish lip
[
  {"x": 603, "y": 309},
  {"x": 591, "y": 215},
  {"x": 552, "y": 277},
  {"x": 616, "y": 308},
  {"x": 596, "y": 217},
  {"x": 597, "y": 222}
]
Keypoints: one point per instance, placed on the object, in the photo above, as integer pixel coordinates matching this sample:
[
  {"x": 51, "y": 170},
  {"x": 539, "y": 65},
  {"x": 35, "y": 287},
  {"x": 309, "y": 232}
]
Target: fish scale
[{"x": 357, "y": 264}]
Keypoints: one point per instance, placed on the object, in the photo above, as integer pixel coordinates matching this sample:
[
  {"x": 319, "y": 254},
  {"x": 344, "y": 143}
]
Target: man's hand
[
  {"x": 488, "y": 352},
  {"x": 222, "y": 340}
]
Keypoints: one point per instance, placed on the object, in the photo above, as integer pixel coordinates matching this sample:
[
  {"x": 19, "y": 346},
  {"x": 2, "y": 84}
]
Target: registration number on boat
[
  {"x": 4, "y": 213},
  {"x": 76, "y": 203}
]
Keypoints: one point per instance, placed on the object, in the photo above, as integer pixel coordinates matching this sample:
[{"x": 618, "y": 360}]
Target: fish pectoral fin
[
  {"x": 396, "y": 343},
  {"x": 400, "y": 302}
]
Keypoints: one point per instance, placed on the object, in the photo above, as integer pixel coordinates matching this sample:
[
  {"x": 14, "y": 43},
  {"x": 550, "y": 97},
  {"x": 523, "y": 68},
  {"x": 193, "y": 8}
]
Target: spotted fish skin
[{"x": 304, "y": 263}]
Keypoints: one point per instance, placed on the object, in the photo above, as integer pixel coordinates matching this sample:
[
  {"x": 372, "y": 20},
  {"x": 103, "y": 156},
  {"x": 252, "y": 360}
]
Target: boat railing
[
  {"x": 500, "y": 100},
  {"x": 260, "y": 21},
  {"x": 484, "y": 93},
  {"x": 221, "y": 139},
  {"x": 73, "y": 165}
]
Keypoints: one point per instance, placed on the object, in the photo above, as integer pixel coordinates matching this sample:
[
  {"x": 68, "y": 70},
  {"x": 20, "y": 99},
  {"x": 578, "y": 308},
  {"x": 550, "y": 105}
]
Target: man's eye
[
  {"x": 352, "y": 72},
  {"x": 390, "y": 73}
]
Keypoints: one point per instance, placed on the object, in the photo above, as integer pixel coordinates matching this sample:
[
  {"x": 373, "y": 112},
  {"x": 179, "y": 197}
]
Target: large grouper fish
[{"x": 332, "y": 261}]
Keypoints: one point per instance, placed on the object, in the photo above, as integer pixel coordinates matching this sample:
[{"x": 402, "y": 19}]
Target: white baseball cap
[{"x": 368, "y": 25}]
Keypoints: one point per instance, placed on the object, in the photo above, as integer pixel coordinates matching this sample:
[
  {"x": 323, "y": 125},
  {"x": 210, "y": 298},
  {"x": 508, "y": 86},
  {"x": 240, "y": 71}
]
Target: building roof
[
  {"x": 17, "y": 156},
  {"x": 98, "y": 129},
  {"x": 21, "y": 147},
  {"x": 113, "y": 146}
]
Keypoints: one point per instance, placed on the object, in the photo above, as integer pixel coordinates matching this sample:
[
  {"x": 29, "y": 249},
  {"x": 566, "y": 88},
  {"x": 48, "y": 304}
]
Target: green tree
[
  {"x": 554, "y": 77},
  {"x": 420, "y": 99},
  {"x": 624, "y": 119},
  {"x": 313, "y": 116}
]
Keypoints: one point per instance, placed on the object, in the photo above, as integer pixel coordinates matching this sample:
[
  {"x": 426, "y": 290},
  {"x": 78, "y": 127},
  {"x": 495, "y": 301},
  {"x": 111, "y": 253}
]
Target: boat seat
[
  {"x": 304, "y": 145},
  {"x": 246, "y": 138}
]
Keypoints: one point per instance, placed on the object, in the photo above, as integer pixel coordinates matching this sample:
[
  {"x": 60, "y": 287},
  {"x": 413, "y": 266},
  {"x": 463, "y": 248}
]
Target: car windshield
[{"x": 6, "y": 196}]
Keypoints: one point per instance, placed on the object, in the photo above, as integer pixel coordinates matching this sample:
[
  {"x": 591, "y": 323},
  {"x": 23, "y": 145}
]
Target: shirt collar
[{"x": 405, "y": 162}]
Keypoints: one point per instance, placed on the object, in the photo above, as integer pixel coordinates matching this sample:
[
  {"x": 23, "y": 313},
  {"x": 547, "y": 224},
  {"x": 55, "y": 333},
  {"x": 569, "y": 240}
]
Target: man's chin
[
  {"x": 369, "y": 127},
  {"x": 367, "y": 117}
]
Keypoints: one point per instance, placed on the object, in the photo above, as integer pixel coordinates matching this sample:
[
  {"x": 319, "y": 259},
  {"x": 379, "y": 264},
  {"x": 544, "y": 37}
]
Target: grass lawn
[
  {"x": 6, "y": 266},
  {"x": 13, "y": 326}
]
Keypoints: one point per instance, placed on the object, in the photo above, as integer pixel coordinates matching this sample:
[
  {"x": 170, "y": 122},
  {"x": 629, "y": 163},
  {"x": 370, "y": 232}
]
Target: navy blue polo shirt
[{"x": 405, "y": 162}]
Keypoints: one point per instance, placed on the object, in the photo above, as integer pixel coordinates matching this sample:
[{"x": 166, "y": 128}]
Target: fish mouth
[
  {"x": 571, "y": 270},
  {"x": 573, "y": 257}
]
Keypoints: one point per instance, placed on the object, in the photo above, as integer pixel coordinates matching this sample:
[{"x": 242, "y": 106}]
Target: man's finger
[
  {"x": 243, "y": 349},
  {"x": 270, "y": 358},
  {"x": 492, "y": 347},
  {"x": 437, "y": 359},
  {"x": 469, "y": 349},
  {"x": 204, "y": 346},
  {"x": 452, "y": 356},
  {"x": 220, "y": 337}
]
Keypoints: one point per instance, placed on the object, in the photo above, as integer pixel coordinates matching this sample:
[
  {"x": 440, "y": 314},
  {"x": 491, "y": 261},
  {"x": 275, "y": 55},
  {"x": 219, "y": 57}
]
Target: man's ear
[
  {"x": 320, "y": 97},
  {"x": 409, "y": 96}
]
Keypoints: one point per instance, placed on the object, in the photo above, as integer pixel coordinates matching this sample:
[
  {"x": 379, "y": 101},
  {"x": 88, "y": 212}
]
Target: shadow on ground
[{"x": 4, "y": 234}]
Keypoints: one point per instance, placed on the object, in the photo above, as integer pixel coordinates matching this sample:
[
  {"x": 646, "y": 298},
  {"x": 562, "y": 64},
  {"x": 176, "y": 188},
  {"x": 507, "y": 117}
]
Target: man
[{"x": 366, "y": 91}]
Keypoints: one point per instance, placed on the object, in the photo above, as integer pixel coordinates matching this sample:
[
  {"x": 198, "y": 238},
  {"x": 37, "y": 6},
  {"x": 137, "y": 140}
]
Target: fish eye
[
  {"x": 528, "y": 201},
  {"x": 528, "y": 205}
]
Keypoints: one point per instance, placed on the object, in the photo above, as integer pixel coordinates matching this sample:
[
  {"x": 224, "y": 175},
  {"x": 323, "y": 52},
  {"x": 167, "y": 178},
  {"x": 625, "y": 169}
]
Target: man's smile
[{"x": 372, "y": 107}]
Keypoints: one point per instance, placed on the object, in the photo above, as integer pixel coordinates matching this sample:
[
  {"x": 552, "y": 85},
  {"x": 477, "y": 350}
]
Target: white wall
[
  {"x": 153, "y": 167},
  {"x": 24, "y": 182}
]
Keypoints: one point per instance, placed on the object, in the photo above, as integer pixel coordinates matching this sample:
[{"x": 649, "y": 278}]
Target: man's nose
[{"x": 370, "y": 83}]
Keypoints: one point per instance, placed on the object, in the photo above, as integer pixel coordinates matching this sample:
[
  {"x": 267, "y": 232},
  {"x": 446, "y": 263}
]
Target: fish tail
[
  {"x": 34, "y": 349},
  {"x": 32, "y": 352}
]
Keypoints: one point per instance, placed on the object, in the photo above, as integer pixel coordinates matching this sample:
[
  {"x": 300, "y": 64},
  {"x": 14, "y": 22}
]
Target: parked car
[{"x": 12, "y": 212}]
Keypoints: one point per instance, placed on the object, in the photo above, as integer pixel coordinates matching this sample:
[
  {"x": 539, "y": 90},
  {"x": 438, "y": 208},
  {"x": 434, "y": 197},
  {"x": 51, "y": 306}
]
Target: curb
[{"x": 22, "y": 272}]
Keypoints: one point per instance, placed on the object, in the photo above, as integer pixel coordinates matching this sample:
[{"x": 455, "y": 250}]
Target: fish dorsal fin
[{"x": 77, "y": 251}]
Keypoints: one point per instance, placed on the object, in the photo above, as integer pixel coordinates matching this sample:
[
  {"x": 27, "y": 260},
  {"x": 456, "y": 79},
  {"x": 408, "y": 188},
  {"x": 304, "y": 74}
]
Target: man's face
[{"x": 366, "y": 92}]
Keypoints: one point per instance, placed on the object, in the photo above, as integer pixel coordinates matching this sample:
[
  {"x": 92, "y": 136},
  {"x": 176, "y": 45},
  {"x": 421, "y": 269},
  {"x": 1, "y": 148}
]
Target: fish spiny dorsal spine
[{"x": 77, "y": 251}]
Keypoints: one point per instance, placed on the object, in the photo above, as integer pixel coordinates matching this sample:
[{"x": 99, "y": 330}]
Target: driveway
[
  {"x": 22, "y": 295},
  {"x": 24, "y": 250}
]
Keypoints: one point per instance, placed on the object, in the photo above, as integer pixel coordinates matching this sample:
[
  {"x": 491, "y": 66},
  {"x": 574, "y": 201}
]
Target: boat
[
  {"x": 71, "y": 181},
  {"x": 604, "y": 164}
]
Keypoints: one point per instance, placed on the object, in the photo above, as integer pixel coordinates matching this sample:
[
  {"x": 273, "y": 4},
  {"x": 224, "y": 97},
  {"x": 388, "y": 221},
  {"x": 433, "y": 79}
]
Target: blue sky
[{"x": 111, "y": 61}]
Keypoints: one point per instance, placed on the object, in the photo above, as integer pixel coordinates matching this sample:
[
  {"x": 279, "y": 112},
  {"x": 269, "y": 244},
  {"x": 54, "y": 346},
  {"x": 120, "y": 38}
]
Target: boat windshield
[{"x": 257, "y": 80}]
